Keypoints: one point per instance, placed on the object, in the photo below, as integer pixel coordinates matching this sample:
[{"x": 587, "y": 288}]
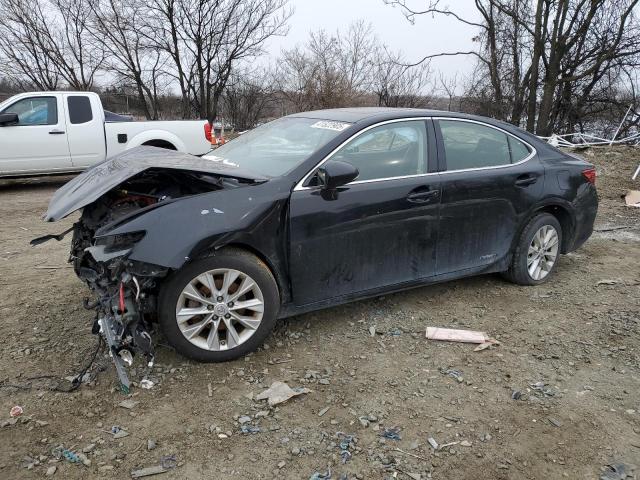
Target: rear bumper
[{"x": 586, "y": 209}]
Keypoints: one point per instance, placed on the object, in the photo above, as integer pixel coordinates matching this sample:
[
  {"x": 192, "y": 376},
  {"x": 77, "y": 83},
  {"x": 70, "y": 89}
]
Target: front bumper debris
[{"x": 109, "y": 330}]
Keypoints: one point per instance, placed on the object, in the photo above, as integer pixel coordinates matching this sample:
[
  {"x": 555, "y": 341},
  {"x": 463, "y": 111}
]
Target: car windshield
[{"x": 277, "y": 147}]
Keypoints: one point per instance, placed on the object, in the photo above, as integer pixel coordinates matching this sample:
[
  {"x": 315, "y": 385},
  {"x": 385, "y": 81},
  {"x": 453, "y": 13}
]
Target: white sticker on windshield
[{"x": 329, "y": 125}]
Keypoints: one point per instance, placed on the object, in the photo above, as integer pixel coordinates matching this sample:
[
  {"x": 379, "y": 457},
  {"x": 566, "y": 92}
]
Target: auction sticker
[{"x": 329, "y": 125}]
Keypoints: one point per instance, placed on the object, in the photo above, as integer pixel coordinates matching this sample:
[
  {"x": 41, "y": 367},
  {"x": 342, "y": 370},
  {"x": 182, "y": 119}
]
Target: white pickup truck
[{"x": 58, "y": 132}]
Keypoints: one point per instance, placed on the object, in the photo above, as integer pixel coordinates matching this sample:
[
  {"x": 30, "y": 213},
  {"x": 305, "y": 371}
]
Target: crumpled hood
[{"x": 99, "y": 179}]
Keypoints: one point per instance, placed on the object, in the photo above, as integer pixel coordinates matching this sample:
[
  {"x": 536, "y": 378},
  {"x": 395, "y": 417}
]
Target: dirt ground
[{"x": 559, "y": 398}]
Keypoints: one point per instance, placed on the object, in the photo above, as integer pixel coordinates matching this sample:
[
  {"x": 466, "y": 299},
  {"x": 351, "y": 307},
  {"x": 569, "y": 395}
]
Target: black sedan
[{"x": 313, "y": 210}]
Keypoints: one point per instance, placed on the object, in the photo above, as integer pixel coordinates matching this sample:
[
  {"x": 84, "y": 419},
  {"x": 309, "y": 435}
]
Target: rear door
[
  {"x": 85, "y": 129},
  {"x": 38, "y": 143},
  {"x": 489, "y": 181},
  {"x": 379, "y": 230}
]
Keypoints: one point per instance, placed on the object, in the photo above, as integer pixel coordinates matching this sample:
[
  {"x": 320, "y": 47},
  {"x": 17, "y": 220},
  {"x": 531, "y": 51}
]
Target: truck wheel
[
  {"x": 220, "y": 307},
  {"x": 537, "y": 252},
  {"x": 160, "y": 144}
]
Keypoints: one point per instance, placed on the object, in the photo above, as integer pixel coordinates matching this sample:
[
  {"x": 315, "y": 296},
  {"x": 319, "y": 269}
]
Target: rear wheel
[
  {"x": 537, "y": 252},
  {"x": 219, "y": 307}
]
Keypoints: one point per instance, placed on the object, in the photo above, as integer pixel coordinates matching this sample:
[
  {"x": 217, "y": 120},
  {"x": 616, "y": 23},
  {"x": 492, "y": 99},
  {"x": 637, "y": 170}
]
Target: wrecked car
[{"x": 313, "y": 210}]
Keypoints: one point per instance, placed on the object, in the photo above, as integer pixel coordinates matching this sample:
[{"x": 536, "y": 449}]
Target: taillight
[
  {"x": 590, "y": 175},
  {"x": 207, "y": 131}
]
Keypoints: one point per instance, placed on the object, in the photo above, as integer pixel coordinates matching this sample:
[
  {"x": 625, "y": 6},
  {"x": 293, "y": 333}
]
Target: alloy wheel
[
  {"x": 543, "y": 252},
  {"x": 220, "y": 309}
]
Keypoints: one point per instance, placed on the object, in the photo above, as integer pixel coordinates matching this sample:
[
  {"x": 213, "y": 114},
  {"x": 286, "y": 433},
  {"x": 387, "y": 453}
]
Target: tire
[
  {"x": 518, "y": 271},
  {"x": 205, "y": 346}
]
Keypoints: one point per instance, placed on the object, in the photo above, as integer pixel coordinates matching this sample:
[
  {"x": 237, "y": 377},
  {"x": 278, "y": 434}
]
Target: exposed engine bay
[{"x": 126, "y": 290}]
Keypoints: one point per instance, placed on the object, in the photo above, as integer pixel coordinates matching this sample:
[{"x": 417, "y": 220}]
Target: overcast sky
[{"x": 427, "y": 36}]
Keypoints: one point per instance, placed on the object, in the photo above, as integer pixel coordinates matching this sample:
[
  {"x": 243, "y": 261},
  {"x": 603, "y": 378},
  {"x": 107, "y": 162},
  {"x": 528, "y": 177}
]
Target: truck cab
[
  {"x": 60, "y": 132},
  {"x": 55, "y": 132}
]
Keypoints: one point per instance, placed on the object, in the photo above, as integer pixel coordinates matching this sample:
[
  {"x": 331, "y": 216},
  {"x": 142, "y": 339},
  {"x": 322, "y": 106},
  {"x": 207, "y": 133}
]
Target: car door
[
  {"x": 377, "y": 231},
  {"x": 85, "y": 130},
  {"x": 38, "y": 143},
  {"x": 489, "y": 181}
]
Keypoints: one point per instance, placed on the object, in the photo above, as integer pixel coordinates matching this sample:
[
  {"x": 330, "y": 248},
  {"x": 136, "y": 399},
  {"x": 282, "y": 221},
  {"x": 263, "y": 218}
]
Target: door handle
[
  {"x": 422, "y": 195},
  {"x": 56, "y": 132},
  {"x": 525, "y": 180}
]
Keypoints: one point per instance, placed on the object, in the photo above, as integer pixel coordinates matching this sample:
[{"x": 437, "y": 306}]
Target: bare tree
[
  {"x": 247, "y": 97},
  {"x": 330, "y": 70},
  {"x": 47, "y": 43},
  {"x": 541, "y": 58},
  {"x": 398, "y": 85},
  {"x": 206, "y": 39},
  {"x": 122, "y": 30},
  {"x": 448, "y": 86}
]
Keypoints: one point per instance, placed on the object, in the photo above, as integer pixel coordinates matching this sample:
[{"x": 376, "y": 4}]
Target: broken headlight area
[{"x": 120, "y": 242}]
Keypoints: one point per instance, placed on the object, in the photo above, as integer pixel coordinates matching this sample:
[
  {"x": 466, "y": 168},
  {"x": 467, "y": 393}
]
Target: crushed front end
[
  {"x": 143, "y": 212},
  {"x": 125, "y": 290}
]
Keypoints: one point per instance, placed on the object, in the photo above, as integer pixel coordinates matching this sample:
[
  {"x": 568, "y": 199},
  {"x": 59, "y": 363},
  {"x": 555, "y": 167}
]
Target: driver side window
[
  {"x": 392, "y": 150},
  {"x": 35, "y": 111}
]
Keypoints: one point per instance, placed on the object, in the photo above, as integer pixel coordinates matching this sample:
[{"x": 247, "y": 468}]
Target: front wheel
[
  {"x": 537, "y": 252},
  {"x": 219, "y": 307}
]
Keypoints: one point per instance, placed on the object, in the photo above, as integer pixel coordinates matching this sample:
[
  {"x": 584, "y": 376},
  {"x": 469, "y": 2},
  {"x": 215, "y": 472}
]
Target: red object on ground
[{"x": 16, "y": 411}]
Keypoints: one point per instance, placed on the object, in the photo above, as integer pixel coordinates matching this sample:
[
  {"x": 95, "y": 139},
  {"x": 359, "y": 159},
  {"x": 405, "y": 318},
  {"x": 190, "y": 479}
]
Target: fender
[
  {"x": 149, "y": 135},
  {"x": 546, "y": 203}
]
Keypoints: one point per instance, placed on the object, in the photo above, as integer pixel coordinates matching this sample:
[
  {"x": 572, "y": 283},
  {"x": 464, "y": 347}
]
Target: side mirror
[
  {"x": 7, "y": 119},
  {"x": 334, "y": 174}
]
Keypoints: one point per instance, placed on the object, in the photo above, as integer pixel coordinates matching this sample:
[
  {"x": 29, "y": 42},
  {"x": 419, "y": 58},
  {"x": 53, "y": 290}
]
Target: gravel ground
[{"x": 559, "y": 397}]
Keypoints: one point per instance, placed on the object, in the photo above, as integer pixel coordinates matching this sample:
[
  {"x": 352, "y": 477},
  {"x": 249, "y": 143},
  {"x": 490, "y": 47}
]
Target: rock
[
  {"x": 244, "y": 419},
  {"x": 121, "y": 434},
  {"x": 465, "y": 443},
  {"x": 554, "y": 422},
  {"x": 280, "y": 392},
  {"x": 51, "y": 471},
  {"x": 295, "y": 451},
  {"x": 281, "y": 464},
  {"x": 128, "y": 404},
  {"x": 89, "y": 448},
  {"x": 151, "y": 444}
]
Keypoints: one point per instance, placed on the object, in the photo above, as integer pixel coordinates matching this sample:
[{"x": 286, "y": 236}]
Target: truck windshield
[{"x": 279, "y": 146}]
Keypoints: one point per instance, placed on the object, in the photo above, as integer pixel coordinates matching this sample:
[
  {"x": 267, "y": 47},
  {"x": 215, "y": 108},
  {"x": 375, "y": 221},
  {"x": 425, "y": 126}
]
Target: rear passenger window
[
  {"x": 472, "y": 145},
  {"x": 79, "y": 109},
  {"x": 392, "y": 150},
  {"x": 519, "y": 151}
]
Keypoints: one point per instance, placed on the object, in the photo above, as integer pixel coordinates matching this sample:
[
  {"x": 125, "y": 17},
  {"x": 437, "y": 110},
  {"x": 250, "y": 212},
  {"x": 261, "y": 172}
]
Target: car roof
[
  {"x": 358, "y": 114},
  {"x": 372, "y": 115}
]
